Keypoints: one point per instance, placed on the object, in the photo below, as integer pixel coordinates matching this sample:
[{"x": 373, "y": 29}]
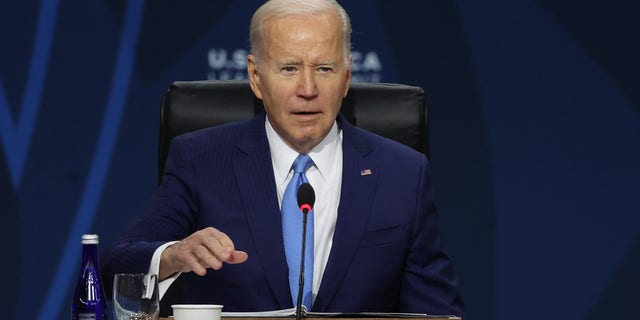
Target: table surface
[{"x": 337, "y": 318}]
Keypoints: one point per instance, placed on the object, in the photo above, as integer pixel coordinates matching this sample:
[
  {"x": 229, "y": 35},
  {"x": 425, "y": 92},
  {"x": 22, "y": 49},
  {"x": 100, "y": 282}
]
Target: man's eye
[
  {"x": 288, "y": 69},
  {"x": 325, "y": 69}
]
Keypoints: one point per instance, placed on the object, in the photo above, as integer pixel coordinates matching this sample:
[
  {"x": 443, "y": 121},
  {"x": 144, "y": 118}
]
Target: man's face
[{"x": 302, "y": 76}]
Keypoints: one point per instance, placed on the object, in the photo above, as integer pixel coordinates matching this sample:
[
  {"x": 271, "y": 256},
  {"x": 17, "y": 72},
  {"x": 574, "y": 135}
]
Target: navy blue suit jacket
[{"x": 386, "y": 256}]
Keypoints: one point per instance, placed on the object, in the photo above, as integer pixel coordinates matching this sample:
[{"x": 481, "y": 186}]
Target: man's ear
[{"x": 254, "y": 75}]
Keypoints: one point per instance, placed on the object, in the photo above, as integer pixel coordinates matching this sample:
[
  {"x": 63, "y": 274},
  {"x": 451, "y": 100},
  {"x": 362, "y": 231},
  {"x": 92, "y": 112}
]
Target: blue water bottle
[{"x": 89, "y": 301}]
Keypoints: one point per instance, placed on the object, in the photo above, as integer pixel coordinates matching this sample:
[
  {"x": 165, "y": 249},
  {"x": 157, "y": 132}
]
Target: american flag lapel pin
[{"x": 365, "y": 172}]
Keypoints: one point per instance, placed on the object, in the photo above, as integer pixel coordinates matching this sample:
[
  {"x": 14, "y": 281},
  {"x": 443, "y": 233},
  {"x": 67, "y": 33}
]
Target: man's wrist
[{"x": 159, "y": 264}]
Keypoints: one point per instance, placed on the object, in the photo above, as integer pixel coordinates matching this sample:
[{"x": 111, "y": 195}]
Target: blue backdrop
[{"x": 535, "y": 131}]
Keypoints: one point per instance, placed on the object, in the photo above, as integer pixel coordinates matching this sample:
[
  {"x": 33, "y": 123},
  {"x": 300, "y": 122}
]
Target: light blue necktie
[{"x": 292, "y": 232}]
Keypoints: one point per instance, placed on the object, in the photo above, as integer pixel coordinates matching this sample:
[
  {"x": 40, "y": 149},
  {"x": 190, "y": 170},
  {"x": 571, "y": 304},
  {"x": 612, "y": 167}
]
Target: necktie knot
[{"x": 302, "y": 163}]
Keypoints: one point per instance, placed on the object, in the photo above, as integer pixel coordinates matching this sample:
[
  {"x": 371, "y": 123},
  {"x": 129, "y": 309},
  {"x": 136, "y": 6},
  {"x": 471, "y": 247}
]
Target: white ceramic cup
[{"x": 196, "y": 311}]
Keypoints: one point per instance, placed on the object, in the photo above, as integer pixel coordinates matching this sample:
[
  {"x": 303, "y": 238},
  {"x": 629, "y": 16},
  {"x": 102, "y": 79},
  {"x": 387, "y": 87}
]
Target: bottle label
[{"x": 86, "y": 316}]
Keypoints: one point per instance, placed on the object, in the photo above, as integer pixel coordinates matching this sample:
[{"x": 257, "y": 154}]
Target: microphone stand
[{"x": 301, "y": 280}]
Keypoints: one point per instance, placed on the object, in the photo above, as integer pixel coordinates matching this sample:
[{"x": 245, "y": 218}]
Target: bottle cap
[{"x": 89, "y": 239}]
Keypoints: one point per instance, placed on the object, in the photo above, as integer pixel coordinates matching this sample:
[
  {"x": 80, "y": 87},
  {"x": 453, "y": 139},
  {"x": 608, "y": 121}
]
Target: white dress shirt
[{"x": 325, "y": 176}]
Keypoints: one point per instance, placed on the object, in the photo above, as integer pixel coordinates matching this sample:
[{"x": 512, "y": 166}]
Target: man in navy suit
[{"x": 215, "y": 220}]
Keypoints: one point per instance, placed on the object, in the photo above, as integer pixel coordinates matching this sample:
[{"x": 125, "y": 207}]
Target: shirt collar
[{"x": 282, "y": 156}]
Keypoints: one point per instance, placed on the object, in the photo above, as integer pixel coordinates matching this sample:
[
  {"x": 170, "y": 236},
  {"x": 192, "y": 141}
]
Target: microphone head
[{"x": 306, "y": 197}]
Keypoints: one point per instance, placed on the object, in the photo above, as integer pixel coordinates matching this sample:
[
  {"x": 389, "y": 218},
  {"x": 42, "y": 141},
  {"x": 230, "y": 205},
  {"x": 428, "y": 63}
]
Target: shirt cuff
[{"x": 154, "y": 268}]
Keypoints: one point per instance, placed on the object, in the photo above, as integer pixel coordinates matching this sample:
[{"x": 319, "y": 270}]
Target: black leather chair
[{"x": 395, "y": 111}]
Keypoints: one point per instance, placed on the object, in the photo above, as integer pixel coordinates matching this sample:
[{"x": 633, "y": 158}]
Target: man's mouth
[{"x": 306, "y": 112}]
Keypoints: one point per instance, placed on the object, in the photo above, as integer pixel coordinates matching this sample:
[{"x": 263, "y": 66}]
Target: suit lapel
[
  {"x": 353, "y": 213},
  {"x": 254, "y": 174}
]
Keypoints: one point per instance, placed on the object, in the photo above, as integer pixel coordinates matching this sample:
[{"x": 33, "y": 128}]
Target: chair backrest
[{"x": 395, "y": 111}]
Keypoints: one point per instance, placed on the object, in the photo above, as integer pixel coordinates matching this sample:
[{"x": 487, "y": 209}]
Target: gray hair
[{"x": 277, "y": 8}]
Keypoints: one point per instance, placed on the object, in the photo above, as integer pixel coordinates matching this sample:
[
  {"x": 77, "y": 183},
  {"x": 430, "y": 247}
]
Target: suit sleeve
[
  {"x": 428, "y": 281},
  {"x": 169, "y": 216}
]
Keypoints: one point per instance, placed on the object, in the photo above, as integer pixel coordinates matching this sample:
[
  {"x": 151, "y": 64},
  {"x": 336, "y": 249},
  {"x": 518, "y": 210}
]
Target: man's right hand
[{"x": 207, "y": 248}]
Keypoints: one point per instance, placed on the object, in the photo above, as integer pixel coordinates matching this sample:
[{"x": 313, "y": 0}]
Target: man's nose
[{"x": 307, "y": 86}]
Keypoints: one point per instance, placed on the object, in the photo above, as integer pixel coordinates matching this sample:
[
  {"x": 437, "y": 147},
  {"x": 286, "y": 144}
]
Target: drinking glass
[{"x": 135, "y": 296}]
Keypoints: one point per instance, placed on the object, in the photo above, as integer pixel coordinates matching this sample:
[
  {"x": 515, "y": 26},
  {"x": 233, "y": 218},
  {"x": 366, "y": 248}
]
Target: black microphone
[{"x": 306, "y": 199}]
